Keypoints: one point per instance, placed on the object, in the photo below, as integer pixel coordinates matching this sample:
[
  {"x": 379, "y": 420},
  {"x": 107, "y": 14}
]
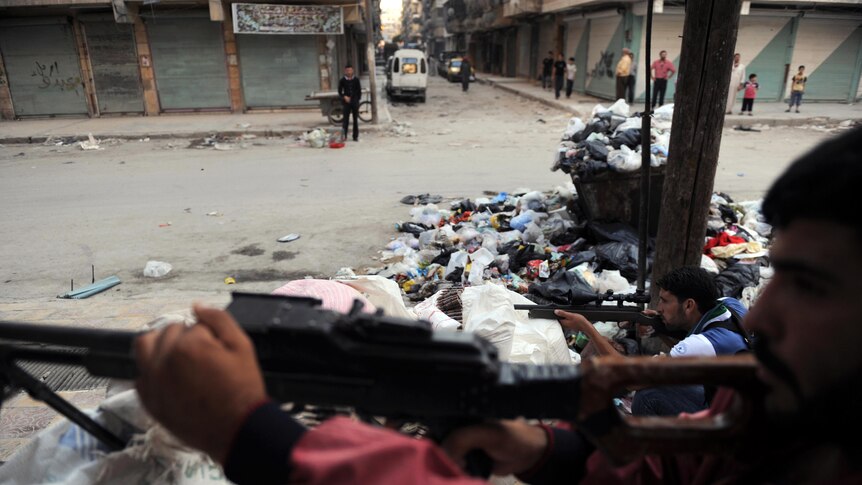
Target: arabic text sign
[{"x": 250, "y": 18}]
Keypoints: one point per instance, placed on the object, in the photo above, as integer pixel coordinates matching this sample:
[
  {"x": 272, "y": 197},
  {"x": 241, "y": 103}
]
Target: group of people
[
  {"x": 204, "y": 384},
  {"x": 749, "y": 86},
  {"x": 554, "y": 73}
]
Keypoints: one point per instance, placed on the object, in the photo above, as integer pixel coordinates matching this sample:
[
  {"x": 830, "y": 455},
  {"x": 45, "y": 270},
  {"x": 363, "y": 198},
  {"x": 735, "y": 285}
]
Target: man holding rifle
[
  {"x": 688, "y": 301},
  {"x": 204, "y": 384}
]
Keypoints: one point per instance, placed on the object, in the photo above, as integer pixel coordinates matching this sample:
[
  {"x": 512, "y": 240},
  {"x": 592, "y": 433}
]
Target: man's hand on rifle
[
  {"x": 513, "y": 446},
  {"x": 573, "y": 321},
  {"x": 201, "y": 381}
]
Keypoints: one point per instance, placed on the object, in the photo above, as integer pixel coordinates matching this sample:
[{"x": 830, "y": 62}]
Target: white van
[{"x": 407, "y": 74}]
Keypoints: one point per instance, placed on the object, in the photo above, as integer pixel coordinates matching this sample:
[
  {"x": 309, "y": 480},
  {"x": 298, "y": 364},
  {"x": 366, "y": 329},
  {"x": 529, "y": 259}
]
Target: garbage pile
[
  {"x": 611, "y": 141},
  {"x": 527, "y": 241},
  {"x": 736, "y": 247}
]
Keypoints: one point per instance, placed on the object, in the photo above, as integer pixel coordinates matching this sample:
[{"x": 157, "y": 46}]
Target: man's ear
[{"x": 689, "y": 305}]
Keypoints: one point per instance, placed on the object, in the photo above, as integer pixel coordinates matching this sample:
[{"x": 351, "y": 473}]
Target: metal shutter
[
  {"x": 605, "y": 49},
  {"x": 189, "y": 62},
  {"x": 42, "y": 67},
  {"x": 116, "y": 74},
  {"x": 278, "y": 70}
]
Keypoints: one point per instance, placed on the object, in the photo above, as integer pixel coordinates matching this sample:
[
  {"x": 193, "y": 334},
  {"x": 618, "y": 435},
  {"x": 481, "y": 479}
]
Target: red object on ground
[
  {"x": 336, "y": 144},
  {"x": 722, "y": 239}
]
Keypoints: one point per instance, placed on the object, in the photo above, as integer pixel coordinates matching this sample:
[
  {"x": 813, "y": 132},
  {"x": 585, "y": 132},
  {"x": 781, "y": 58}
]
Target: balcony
[{"x": 517, "y": 8}]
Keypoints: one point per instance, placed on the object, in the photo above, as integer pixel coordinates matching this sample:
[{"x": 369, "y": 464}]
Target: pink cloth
[
  {"x": 336, "y": 296},
  {"x": 750, "y": 90}
]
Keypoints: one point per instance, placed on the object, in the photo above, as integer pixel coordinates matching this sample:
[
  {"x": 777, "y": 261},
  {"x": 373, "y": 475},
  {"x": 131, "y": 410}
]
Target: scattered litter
[
  {"x": 187, "y": 210},
  {"x": 422, "y": 199},
  {"x": 289, "y": 238},
  {"x": 400, "y": 128},
  {"x": 214, "y": 214},
  {"x": 157, "y": 269},
  {"x": 316, "y": 138},
  {"x": 223, "y": 146},
  {"x": 229, "y": 281},
  {"x": 90, "y": 144},
  {"x": 740, "y": 174},
  {"x": 336, "y": 144},
  {"x": 90, "y": 290},
  {"x": 165, "y": 224},
  {"x": 214, "y": 141},
  {"x": 540, "y": 120},
  {"x": 243, "y": 125},
  {"x": 142, "y": 140},
  {"x": 746, "y": 128}
]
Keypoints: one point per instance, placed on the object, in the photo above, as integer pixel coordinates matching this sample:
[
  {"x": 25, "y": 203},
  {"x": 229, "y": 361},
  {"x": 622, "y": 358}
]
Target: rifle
[
  {"x": 398, "y": 368},
  {"x": 593, "y": 308}
]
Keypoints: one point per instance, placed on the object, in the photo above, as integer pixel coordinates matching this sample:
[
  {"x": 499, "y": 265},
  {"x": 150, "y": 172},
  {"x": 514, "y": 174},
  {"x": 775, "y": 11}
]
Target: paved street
[{"x": 63, "y": 209}]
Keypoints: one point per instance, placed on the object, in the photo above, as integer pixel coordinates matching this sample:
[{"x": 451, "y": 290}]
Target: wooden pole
[{"x": 709, "y": 39}]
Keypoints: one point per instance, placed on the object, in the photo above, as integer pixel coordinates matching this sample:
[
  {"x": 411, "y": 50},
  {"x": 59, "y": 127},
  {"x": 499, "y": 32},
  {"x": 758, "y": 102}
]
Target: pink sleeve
[{"x": 344, "y": 451}]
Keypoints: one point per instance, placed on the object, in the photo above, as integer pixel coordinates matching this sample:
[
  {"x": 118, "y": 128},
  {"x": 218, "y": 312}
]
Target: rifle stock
[{"x": 398, "y": 368}]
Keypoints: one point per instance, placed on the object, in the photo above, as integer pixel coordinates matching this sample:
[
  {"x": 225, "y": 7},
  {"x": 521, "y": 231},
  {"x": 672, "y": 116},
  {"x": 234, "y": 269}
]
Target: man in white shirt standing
[
  {"x": 571, "y": 70},
  {"x": 737, "y": 79}
]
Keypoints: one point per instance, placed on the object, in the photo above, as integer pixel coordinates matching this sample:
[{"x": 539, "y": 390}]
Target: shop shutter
[
  {"x": 42, "y": 67},
  {"x": 278, "y": 70},
  {"x": 605, "y": 49},
  {"x": 189, "y": 62},
  {"x": 116, "y": 75}
]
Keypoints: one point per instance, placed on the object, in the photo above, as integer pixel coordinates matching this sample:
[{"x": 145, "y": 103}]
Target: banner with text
[{"x": 252, "y": 18}]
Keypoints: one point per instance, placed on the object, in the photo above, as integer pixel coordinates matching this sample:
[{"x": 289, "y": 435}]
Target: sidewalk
[
  {"x": 764, "y": 113},
  {"x": 185, "y": 125}
]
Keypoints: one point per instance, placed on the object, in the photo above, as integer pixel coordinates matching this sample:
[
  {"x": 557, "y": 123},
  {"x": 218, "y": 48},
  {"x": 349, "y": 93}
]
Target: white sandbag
[
  {"x": 611, "y": 280},
  {"x": 489, "y": 311},
  {"x": 383, "y": 293}
]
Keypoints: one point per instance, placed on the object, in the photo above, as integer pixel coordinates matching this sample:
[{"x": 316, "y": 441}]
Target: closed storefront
[
  {"x": 829, "y": 50},
  {"x": 524, "y": 35},
  {"x": 546, "y": 39},
  {"x": 116, "y": 75},
  {"x": 278, "y": 70},
  {"x": 189, "y": 62},
  {"x": 765, "y": 44},
  {"x": 42, "y": 67},
  {"x": 604, "y": 50},
  {"x": 577, "y": 40}
]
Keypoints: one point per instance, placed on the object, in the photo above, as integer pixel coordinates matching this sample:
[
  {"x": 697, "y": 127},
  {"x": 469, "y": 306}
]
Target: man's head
[
  {"x": 808, "y": 320},
  {"x": 752, "y": 78},
  {"x": 801, "y": 69},
  {"x": 736, "y": 58},
  {"x": 685, "y": 295},
  {"x": 559, "y": 57},
  {"x": 627, "y": 51},
  {"x": 551, "y": 54},
  {"x": 348, "y": 71},
  {"x": 663, "y": 55},
  {"x": 571, "y": 60}
]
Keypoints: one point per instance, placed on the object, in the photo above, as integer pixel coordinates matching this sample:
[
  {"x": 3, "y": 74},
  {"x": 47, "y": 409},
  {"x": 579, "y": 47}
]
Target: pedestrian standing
[
  {"x": 547, "y": 67},
  {"x": 559, "y": 75},
  {"x": 750, "y": 93},
  {"x": 466, "y": 72},
  {"x": 660, "y": 71},
  {"x": 737, "y": 78},
  {"x": 623, "y": 73},
  {"x": 797, "y": 87},
  {"x": 571, "y": 71},
  {"x": 350, "y": 92}
]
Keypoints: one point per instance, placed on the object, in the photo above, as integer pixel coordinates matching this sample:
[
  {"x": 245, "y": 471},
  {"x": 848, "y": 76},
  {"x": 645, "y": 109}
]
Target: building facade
[
  {"x": 511, "y": 37},
  {"x": 116, "y": 57}
]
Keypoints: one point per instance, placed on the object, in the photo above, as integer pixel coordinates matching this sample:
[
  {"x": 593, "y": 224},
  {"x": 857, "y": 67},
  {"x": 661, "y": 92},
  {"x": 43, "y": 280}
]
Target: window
[
  {"x": 395, "y": 65},
  {"x": 422, "y": 67}
]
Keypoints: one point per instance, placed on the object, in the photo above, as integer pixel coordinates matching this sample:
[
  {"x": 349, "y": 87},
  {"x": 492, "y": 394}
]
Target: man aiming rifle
[{"x": 203, "y": 382}]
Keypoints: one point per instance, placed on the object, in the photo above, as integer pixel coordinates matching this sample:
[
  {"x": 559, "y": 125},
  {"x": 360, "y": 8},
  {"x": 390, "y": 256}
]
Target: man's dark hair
[
  {"x": 821, "y": 185},
  {"x": 662, "y": 52},
  {"x": 801, "y": 67},
  {"x": 752, "y": 76},
  {"x": 349, "y": 66},
  {"x": 572, "y": 59},
  {"x": 691, "y": 282}
]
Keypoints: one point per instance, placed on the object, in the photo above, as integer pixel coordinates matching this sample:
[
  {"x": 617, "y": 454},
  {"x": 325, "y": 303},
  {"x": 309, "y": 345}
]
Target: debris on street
[
  {"x": 288, "y": 238},
  {"x": 157, "y": 269},
  {"x": 93, "y": 289},
  {"x": 422, "y": 199},
  {"x": 90, "y": 144}
]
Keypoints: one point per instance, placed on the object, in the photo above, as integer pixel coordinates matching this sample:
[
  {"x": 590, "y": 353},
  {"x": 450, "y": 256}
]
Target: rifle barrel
[{"x": 92, "y": 338}]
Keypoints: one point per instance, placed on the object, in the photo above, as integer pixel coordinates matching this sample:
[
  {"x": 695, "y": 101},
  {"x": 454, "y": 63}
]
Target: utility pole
[
  {"x": 709, "y": 39},
  {"x": 369, "y": 54}
]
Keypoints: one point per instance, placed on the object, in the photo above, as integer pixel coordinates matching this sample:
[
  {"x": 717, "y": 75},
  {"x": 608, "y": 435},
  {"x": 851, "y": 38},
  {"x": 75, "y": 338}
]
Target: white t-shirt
[{"x": 571, "y": 69}]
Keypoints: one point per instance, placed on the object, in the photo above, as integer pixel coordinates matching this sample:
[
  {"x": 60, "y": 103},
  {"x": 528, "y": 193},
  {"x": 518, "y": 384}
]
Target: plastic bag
[
  {"x": 611, "y": 280},
  {"x": 624, "y": 160},
  {"x": 157, "y": 269},
  {"x": 613, "y": 231},
  {"x": 732, "y": 280},
  {"x": 575, "y": 126},
  {"x": 533, "y": 234},
  {"x": 620, "y": 256},
  {"x": 562, "y": 287},
  {"x": 598, "y": 150},
  {"x": 664, "y": 113},
  {"x": 620, "y": 107},
  {"x": 630, "y": 138}
]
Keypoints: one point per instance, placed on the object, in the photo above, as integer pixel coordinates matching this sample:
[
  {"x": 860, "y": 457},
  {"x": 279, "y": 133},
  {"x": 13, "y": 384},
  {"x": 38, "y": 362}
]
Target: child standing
[
  {"x": 797, "y": 87},
  {"x": 751, "y": 88}
]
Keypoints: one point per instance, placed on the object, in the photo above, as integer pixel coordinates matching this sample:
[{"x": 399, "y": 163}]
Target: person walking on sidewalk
[
  {"x": 797, "y": 87},
  {"x": 751, "y": 86},
  {"x": 660, "y": 71},
  {"x": 571, "y": 70},
  {"x": 350, "y": 92},
  {"x": 623, "y": 73},
  {"x": 466, "y": 72},
  {"x": 559, "y": 75},
  {"x": 547, "y": 66},
  {"x": 737, "y": 77}
]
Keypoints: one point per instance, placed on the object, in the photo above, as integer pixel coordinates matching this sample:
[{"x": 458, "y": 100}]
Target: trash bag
[
  {"x": 563, "y": 287},
  {"x": 664, "y": 113},
  {"x": 732, "y": 280},
  {"x": 575, "y": 126},
  {"x": 621, "y": 256},
  {"x": 613, "y": 232},
  {"x": 597, "y": 150},
  {"x": 580, "y": 258},
  {"x": 620, "y": 108},
  {"x": 624, "y": 160},
  {"x": 611, "y": 280},
  {"x": 630, "y": 138}
]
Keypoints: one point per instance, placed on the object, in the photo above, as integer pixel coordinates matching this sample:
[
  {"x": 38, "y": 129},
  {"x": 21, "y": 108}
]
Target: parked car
[
  {"x": 453, "y": 70},
  {"x": 407, "y": 74},
  {"x": 443, "y": 61}
]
